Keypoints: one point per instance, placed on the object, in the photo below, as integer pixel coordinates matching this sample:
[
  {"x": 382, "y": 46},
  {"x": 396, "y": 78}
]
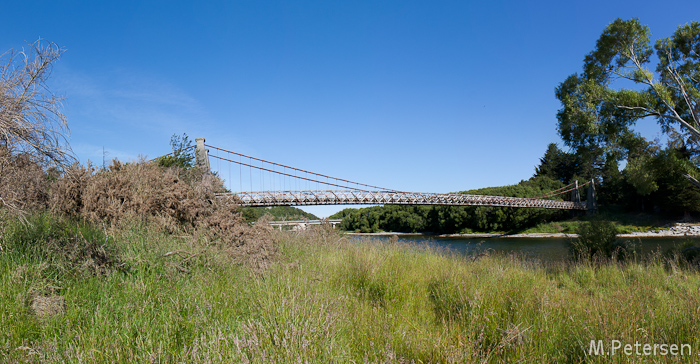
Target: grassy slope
[{"x": 327, "y": 299}]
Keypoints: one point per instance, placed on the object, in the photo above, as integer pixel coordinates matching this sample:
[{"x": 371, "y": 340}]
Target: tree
[
  {"x": 182, "y": 155},
  {"x": 31, "y": 120},
  {"x": 656, "y": 175},
  {"x": 559, "y": 165},
  {"x": 33, "y": 130},
  {"x": 616, "y": 89}
]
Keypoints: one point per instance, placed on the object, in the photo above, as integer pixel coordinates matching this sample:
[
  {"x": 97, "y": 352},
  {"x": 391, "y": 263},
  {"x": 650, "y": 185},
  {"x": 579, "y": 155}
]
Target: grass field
[{"x": 71, "y": 293}]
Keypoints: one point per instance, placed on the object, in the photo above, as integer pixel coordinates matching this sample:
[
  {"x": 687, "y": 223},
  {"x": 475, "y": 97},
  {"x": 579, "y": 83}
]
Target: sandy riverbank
[{"x": 679, "y": 229}]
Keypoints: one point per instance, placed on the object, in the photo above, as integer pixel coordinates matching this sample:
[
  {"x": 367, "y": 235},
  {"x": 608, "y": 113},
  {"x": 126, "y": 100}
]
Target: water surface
[{"x": 542, "y": 249}]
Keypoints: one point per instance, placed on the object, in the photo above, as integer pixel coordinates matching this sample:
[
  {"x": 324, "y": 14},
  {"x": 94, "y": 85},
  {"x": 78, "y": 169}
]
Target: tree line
[{"x": 457, "y": 219}]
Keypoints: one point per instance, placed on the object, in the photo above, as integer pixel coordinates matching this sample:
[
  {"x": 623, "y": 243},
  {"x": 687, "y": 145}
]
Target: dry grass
[{"x": 48, "y": 306}]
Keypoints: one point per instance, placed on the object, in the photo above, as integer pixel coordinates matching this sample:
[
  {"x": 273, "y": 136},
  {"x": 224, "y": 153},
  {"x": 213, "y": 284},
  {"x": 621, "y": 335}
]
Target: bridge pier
[
  {"x": 576, "y": 198},
  {"x": 591, "y": 199},
  {"x": 201, "y": 157},
  {"x": 575, "y": 195}
]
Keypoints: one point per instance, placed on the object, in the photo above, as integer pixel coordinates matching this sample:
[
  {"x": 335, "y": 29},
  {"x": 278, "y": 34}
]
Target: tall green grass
[{"x": 326, "y": 298}]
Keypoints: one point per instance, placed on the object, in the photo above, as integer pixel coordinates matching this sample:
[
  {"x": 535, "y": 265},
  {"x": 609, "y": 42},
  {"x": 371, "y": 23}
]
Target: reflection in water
[{"x": 543, "y": 249}]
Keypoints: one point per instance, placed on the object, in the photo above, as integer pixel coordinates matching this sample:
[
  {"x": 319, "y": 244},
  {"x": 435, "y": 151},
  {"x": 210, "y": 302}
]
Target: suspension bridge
[{"x": 266, "y": 183}]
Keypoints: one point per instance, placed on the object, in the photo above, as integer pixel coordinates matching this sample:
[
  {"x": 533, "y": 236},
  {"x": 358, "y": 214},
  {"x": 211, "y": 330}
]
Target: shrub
[{"x": 598, "y": 239}]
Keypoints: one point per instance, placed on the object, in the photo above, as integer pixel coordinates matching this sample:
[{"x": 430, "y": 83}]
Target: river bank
[{"x": 676, "y": 230}]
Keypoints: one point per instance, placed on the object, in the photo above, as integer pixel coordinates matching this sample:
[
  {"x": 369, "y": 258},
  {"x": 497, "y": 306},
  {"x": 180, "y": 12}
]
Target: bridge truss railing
[{"x": 301, "y": 198}]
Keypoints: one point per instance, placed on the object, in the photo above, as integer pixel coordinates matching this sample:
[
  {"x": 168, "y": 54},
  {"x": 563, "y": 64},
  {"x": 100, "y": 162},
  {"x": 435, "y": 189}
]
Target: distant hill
[{"x": 278, "y": 213}]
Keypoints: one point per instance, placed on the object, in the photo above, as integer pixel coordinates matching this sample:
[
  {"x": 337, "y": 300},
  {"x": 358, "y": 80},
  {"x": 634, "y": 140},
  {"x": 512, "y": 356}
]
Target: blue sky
[{"x": 422, "y": 96}]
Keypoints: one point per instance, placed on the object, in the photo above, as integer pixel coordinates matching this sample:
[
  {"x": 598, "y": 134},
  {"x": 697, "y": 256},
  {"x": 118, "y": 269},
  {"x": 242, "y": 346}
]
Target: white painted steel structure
[{"x": 301, "y": 198}]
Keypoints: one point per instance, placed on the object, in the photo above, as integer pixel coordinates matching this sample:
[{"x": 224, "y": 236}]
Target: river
[{"x": 542, "y": 249}]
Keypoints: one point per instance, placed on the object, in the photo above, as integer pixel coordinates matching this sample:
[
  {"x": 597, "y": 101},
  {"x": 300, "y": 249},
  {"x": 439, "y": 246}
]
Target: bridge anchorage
[{"x": 290, "y": 186}]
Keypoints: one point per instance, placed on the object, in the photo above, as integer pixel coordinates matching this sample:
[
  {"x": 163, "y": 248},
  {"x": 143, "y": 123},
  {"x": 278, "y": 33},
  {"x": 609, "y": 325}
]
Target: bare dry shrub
[
  {"x": 169, "y": 198},
  {"x": 107, "y": 196},
  {"x": 23, "y": 183},
  {"x": 252, "y": 246},
  {"x": 224, "y": 221},
  {"x": 33, "y": 130},
  {"x": 65, "y": 195}
]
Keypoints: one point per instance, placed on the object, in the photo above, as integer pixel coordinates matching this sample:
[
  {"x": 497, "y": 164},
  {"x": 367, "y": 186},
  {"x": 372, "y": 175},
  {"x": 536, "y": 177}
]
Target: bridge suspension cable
[
  {"x": 287, "y": 174},
  {"x": 348, "y": 184},
  {"x": 556, "y": 192}
]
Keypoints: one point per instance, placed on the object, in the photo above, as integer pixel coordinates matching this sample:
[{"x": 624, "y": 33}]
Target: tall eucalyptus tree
[{"x": 619, "y": 86}]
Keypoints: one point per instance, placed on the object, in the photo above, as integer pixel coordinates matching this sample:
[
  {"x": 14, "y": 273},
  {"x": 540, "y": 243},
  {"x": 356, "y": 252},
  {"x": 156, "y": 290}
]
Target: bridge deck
[{"x": 302, "y": 198}]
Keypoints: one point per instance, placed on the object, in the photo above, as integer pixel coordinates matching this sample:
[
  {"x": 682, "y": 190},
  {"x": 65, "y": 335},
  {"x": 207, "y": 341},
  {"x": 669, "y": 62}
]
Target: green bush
[{"x": 598, "y": 239}]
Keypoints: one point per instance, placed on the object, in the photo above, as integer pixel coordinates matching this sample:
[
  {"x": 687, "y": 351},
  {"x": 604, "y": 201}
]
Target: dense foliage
[
  {"x": 616, "y": 89},
  {"x": 451, "y": 219},
  {"x": 652, "y": 180}
]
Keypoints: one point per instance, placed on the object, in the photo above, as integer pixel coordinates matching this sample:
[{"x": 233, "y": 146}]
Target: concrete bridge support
[
  {"x": 575, "y": 195},
  {"x": 201, "y": 157},
  {"x": 591, "y": 199}
]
